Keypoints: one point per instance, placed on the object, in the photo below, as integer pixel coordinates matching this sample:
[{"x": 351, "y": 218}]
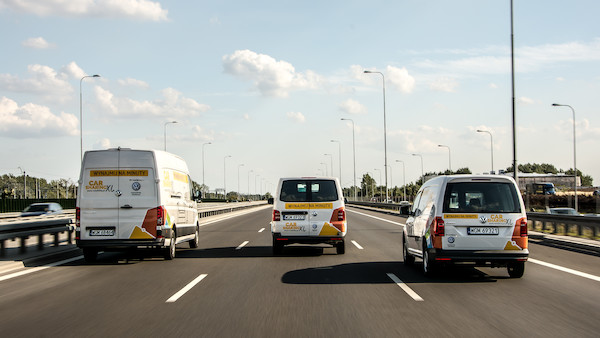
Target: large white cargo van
[
  {"x": 468, "y": 219},
  {"x": 134, "y": 199}
]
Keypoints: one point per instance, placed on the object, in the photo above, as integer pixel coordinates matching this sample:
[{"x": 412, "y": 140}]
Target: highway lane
[{"x": 246, "y": 291}]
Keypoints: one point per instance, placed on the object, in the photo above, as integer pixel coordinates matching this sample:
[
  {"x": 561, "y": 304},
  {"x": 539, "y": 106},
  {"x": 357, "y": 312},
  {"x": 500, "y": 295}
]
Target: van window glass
[
  {"x": 298, "y": 191},
  {"x": 479, "y": 197}
]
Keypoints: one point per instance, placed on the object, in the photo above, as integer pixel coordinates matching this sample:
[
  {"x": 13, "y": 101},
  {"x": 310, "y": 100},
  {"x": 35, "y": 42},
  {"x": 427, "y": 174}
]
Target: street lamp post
[
  {"x": 225, "y": 176},
  {"x": 384, "y": 131},
  {"x": 491, "y": 146},
  {"x": 255, "y": 189},
  {"x": 203, "y": 185},
  {"x": 353, "y": 156},
  {"x": 422, "y": 172},
  {"x": 403, "y": 177},
  {"x": 449, "y": 156},
  {"x": 339, "y": 158},
  {"x": 325, "y": 164},
  {"x": 166, "y": 132},
  {"x": 574, "y": 151},
  {"x": 250, "y": 171},
  {"x": 81, "y": 116},
  {"x": 380, "y": 181},
  {"x": 238, "y": 190},
  {"x": 24, "y": 183},
  {"x": 330, "y": 161}
]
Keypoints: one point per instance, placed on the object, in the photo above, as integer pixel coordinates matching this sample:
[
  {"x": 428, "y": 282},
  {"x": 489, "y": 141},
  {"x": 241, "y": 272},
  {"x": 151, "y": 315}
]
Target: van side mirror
[
  {"x": 197, "y": 195},
  {"x": 345, "y": 200},
  {"x": 270, "y": 200}
]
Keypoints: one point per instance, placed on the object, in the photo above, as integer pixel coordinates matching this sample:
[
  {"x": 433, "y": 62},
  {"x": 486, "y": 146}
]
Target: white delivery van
[
  {"x": 134, "y": 199},
  {"x": 308, "y": 210},
  {"x": 468, "y": 219}
]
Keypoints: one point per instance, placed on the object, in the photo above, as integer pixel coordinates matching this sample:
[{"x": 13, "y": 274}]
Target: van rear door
[
  {"x": 324, "y": 201},
  {"x": 294, "y": 195}
]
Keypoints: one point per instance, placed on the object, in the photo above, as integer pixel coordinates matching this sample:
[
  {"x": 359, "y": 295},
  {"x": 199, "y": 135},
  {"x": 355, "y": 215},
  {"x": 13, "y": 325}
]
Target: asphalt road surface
[{"x": 233, "y": 286}]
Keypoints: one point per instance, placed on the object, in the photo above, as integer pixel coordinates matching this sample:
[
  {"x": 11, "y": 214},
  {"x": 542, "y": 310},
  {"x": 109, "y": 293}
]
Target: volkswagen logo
[
  {"x": 483, "y": 219},
  {"x": 136, "y": 186}
]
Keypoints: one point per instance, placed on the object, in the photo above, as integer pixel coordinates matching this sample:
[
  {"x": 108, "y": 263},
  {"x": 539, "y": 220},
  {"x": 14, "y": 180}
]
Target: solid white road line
[
  {"x": 561, "y": 268},
  {"x": 405, "y": 287},
  {"x": 379, "y": 218},
  {"x": 39, "y": 268},
  {"x": 261, "y": 230},
  {"x": 356, "y": 244},
  {"x": 187, "y": 288},
  {"x": 242, "y": 245}
]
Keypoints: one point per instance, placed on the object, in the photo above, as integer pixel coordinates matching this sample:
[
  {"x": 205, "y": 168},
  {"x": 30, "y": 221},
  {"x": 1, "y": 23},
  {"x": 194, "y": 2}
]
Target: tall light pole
[
  {"x": 491, "y": 146},
  {"x": 81, "y": 116},
  {"x": 380, "y": 181},
  {"x": 166, "y": 132},
  {"x": 330, "y": 161},
  {"x": 403, "y": 177},
  {"x": 574, "y": 151},
  {"x": 325, "y": 164},
  {"x": 203, "y": 185},
  {"x": 422, "y": 172},
  {"x": 225, "y": 176},
  {"x": 449, "y": 156},
  {"x": 250, "y": 171},
  {"x": 238, "y": 190},
  {"x": 339, "y": 158},
  {"x": 24, "y": 183},
  {"x": 353, "y": 157},
  {"x": 514, "y": 113},
  {"x": 384, "y": 131},
  {"x": 255, "y": 178}
]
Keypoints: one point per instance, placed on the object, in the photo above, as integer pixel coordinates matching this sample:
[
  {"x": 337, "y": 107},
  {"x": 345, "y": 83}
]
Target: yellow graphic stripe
[
  {"x": 309, "y": 205},
  {"x": 468, "y": 216},
  {"x": 133, "y": 172}
]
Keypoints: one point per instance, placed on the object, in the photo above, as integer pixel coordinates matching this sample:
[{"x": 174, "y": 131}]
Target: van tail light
[
  {"x": 438, "y": 226},
  {"x": 160, "y": 216},
  {"x": 77, "y": 217},
  {"x": 338, "y": 215},
  {"x": 276, "y": 216},
  {"x": 522, "y": 224}
]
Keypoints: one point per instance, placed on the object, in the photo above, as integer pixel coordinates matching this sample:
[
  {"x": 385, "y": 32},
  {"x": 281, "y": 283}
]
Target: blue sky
[{"x": 267, "y": 82}]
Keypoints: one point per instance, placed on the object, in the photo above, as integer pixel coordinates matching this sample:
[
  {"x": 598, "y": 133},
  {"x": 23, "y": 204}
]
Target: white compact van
[
  {"x": 308, "y": 210},
  {"x": 134, "y": 199},
  {"x": 468, "y": 219}
]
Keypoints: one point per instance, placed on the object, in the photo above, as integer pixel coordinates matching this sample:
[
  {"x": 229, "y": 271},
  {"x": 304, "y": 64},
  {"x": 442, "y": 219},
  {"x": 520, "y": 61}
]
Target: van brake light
[
  {"x": 160, "y": 216},
  {"x": 276, "y": 216},
  {"x": 77, "y": 217},
  {"x": 438, "y": 226},
  {"x": 522, "y": 222},
  {"x": 338, "y": 215}
]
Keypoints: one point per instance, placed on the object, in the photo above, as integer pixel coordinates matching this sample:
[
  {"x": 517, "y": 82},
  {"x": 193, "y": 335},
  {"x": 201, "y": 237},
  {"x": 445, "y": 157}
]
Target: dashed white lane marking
[
  {"x": 187, "y": 288},
  {"x": 39, "y": 268},
  {"x": 242, "y": 245},
  {"x": 356, "y": 244},
  {"x": 405, "y": 287},
  {"x": 261, "y": 230},
  {"x": 562, "y": 268},
  {"x": 375, "y": 217}
]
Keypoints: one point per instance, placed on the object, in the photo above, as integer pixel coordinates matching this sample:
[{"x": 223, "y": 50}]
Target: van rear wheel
[
  {"x": 516, "y": 269},
  {"x": 169, "y": 252},
  {"x": 340, "y": 248},
  {"x": 194, "y": 243},
  {"x": 430, "y": 267},
  {"x": 407, "y": 257},
  {"x": 277, "y": 247}
]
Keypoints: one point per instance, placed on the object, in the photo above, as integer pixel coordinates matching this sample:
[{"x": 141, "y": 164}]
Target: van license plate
[
  {"x": 294, "y": 217},
  {"x": 483, "y": 231},
  {"x": 102, "y": 232}
]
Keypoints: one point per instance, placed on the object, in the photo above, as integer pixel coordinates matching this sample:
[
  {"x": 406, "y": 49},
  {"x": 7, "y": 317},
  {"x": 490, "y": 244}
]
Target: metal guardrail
[
  {"x": 388, "y": 206},
  {"x": 553, "y": 221}
]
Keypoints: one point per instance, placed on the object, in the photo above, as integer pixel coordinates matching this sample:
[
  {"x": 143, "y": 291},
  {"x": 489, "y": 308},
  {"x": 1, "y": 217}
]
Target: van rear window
[
  {"x": 308, "y": 191},
  {"x": 481, "y": 197}
]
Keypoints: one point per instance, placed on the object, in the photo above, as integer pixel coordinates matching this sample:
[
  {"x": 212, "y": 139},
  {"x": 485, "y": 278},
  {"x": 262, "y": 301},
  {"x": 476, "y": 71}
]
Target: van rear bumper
[
  {"x": 285, "y": 240},
  {"x": 120, "y": 243},
  {"x": 479, "y": 257}
]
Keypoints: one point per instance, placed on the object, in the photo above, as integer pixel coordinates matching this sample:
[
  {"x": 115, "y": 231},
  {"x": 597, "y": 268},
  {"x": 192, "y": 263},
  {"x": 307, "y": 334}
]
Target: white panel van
[
  {"x": 134, "y": 199},
  {"x": 468, "y": 219},
  {"x": 308, "y": 210}
]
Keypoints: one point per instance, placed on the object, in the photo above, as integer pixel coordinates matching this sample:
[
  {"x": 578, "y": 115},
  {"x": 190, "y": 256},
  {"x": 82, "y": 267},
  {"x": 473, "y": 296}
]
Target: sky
[{"x": 268, "y": 82}]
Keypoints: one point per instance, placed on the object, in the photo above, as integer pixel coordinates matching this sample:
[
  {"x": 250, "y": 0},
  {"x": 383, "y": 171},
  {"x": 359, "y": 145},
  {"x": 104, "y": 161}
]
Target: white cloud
[
  {"x": 102, "y": 143},
  {"x": 32, "y": 120},
  {"x": 525, "y": 100},
  {"x": 246, "y": 117},
  {"x": 172, "y": 104},
  {"x": 493, "y": 86},
  {"x": 133, "y": 9},
  {"x": 297, "y": 117},
  {"x": 444, "y": 84},
  {"x": 351, "y": 106},
  {"x": 400, "y": 79},
  {"x": 44, "y": 80},
  {"x": 133, "y": 83},
  {"x": 270, "y": 77},
  {"x": 36, "y": 43}
]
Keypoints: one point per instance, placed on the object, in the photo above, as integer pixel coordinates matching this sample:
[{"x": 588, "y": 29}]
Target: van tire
[
  {"x": 194, "y": 243},
  {"x": 430, "y": 267},
  {"x": 277, "y": 247},
  {"x": 407, "y": 257},
  {"x": 515, "y": 269},
  {"x": 90, "y": 254},
  {"x": 340, "y": 248},
  {"x": 169, "y": 252}
]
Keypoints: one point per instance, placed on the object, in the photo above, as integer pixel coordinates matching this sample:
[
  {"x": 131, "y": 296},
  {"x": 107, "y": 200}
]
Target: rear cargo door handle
[{"x": 126, "y": 206}]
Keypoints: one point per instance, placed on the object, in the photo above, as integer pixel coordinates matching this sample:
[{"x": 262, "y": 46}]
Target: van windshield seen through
[
  {"x": 488, "y": 197},
  {"x": 308, "y": 191}
]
